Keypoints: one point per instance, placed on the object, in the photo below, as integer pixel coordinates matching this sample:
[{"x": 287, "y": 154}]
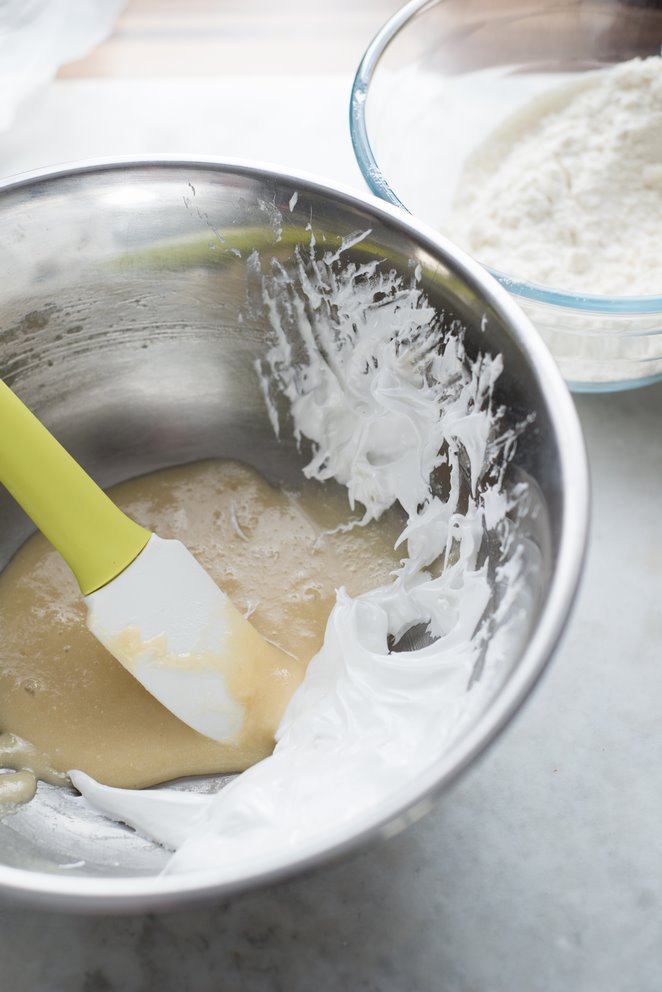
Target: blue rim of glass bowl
[{"x": 376, "y": 181}]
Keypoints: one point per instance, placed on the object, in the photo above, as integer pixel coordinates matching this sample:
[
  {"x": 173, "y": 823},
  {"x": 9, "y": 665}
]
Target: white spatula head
[{"x": 169, "y": 624}]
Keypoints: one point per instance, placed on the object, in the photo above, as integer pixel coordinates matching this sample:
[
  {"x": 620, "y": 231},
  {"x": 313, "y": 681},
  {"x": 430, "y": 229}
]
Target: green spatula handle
[{"x": 94, "y": 537}]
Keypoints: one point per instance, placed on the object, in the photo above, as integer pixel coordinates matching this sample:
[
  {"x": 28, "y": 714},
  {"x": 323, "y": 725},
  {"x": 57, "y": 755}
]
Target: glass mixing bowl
[{"x": 438, "y": 77}]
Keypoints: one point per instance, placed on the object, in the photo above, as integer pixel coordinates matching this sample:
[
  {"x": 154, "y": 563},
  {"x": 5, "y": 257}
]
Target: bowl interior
[{"x": 131, "y": 326}]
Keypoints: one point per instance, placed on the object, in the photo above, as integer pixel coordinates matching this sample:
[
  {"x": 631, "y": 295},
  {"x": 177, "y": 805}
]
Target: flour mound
[{"x": 568, "y": 191}]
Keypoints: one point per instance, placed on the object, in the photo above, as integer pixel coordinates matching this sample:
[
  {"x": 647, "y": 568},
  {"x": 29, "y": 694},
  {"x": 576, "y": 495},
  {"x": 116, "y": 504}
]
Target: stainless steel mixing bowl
[{"x": 126, "y": 323}]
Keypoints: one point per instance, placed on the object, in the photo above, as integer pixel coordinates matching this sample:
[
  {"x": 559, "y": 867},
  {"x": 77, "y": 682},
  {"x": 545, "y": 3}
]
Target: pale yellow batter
[{"x": 268, "y": 550}]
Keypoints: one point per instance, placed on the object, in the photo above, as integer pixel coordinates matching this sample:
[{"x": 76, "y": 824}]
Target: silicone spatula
[{"x": 149, "y": 601}]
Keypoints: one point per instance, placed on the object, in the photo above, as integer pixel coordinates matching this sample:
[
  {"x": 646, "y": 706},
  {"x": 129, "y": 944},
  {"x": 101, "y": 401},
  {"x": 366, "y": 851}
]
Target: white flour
[{"x": 568, "y": 191}]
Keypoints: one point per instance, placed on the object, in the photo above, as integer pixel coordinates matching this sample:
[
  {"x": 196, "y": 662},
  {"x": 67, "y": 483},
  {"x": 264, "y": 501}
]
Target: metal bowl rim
[{"x": 138, "y": 894}]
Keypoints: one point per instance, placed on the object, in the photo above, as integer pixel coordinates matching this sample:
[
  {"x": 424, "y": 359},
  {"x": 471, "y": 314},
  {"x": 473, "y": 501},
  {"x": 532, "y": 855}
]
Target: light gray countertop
[{"x": 541, "y": 869}]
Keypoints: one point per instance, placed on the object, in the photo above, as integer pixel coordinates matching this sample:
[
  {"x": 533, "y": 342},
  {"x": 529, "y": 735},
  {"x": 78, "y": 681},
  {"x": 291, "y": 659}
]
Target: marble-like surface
[
  {"x": 540, "y": 871},
  {"x": 269, "y": 119}
]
